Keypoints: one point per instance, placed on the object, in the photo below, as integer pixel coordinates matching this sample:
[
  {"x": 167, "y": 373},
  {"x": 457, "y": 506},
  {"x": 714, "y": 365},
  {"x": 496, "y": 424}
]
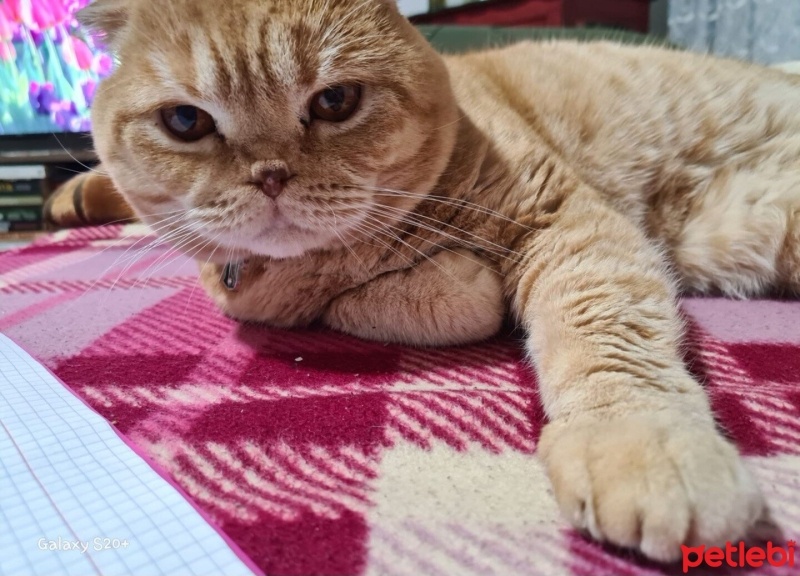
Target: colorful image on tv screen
[{"x": 49, "y": 67}]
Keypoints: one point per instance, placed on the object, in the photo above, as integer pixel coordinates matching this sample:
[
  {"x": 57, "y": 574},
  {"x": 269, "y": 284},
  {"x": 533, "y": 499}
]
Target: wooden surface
[{"x": 9, "y": 240}]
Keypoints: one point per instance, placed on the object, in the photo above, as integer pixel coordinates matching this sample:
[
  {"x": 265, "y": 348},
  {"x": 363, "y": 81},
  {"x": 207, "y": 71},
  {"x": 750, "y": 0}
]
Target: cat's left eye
[
  {"x": 336, "y": 103},
  {"x": 188, "y": 123}
]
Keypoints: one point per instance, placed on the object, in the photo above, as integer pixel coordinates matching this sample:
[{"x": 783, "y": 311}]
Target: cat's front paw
[{"x": 652, "y": 481}]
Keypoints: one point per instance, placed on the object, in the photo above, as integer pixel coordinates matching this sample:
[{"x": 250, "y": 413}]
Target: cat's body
[
  {"x": 701, "y": 153},
  {"x": 555, "y": 183},
  {"x": 720, "y": 196}
]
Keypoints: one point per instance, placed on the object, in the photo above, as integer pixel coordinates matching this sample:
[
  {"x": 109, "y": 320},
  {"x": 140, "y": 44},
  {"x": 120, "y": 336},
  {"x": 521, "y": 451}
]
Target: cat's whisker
[
  {"x": 377, "y": 209},
  {"x": 459, "y": 203},
  {"x": 159, "y": 240},
  {"x": 335, "y": 229},
  {"x": 357, "y": 227},
  {"x": 380, "y": 228},
  {"x": 173, "y": 256},
  {"x": 127, "y": 220},
  {"x": 121, "y": 258},
  {"x": 414, "y": 218},
  {"x": 169, "y": 238},
  {"x": 164, "y": 259},
  {"x": 71, "y": 171},
  {"x": 480, "y": 243},
  {"x": 445, "y": 200},
  {"x": 456, "y": 121},
  {"x": 361, "y": 211},
  {"x": 373, "y": 236},
  {"x": 176, "y": 249},
  {"x": 132, "y": 260},
  {"x": 472, "y": 247},
  {"x": 78, "y": 162},
  {"x": 455, "y": 202},
  {"x": 428, "y": 241},
  {"x": 171, "y": 218},
  {"x": 210, "y": 256},
  {"x": 117, "y": 241}
]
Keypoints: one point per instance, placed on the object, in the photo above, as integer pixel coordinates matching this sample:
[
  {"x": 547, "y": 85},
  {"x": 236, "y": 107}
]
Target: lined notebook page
[{"x": 76, "y": 499}]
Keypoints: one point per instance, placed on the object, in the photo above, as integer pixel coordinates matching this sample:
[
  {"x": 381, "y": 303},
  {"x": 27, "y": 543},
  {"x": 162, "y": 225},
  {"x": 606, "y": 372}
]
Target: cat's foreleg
[
  {"x": 631, "y": 448},
  {"x": 453, "y": 298}
]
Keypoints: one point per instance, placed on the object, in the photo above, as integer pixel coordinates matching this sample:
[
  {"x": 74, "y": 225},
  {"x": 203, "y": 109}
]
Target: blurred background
[
  {"x": 49, "y": 67},
  {"x": 766, "y": 31}
]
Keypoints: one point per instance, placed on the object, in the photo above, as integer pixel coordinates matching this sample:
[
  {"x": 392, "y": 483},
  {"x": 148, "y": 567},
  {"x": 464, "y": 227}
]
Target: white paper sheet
[{"x": 76, "y": 499}]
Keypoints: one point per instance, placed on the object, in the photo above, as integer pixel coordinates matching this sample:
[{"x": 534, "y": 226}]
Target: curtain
[{"x": 765, "y": 31}]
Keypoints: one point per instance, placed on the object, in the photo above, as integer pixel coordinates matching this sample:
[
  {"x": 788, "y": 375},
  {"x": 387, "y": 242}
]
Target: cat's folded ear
[{"x": 106, "y": 17}]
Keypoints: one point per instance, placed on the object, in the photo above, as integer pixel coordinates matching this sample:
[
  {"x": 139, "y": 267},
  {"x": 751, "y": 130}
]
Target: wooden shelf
[
  {"x": 10, "y": 240},
  {"x": 21, "y": 236}
]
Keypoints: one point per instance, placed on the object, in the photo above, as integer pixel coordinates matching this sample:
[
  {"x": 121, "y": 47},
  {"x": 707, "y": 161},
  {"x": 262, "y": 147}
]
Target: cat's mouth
[
  {"x": 278, "y": 228},
  {"x": 282, "y": 220}
]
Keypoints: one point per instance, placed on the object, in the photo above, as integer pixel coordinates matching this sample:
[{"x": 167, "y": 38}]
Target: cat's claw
[{"x": 651, "y": 482}]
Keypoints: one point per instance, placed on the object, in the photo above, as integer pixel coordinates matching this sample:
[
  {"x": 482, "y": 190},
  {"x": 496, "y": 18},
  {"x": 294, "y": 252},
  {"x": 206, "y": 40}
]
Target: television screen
[{"x": 49, "y": 67}]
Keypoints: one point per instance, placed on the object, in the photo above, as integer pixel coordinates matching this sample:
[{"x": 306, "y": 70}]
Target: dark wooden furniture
[{"x": 625, "y": 14}]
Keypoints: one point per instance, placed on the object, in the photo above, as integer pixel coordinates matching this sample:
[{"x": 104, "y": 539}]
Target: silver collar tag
[{"x": 231, "y": 275}]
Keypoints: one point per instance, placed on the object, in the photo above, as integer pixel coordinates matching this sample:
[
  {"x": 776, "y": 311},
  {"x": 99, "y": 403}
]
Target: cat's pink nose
[{"x": 273, "y": 182}]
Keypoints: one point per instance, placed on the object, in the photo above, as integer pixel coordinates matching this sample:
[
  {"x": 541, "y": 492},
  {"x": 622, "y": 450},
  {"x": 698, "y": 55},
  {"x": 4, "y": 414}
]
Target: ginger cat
[{"x": 369, "y": 183}]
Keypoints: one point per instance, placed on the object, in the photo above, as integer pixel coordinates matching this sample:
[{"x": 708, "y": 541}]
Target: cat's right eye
[{"x": 188, "y": 123}]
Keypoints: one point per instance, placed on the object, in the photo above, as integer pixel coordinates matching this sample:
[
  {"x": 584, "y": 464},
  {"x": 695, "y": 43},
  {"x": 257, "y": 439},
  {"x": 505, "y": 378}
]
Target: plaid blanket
[{"x": 321, "y": 454}]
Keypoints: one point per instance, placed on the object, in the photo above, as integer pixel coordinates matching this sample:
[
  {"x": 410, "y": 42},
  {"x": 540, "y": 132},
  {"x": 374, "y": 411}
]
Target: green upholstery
[{"x": 447, "y": 38}]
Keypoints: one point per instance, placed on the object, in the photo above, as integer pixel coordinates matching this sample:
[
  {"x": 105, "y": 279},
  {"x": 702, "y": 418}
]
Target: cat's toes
[{"x": 651, "y": 482}]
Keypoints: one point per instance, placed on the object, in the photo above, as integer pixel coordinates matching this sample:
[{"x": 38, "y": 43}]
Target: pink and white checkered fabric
[{"x": 321, "y": 454}]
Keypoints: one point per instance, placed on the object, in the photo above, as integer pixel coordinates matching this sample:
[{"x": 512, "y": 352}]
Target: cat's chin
[
  {"x": 225, "y": 255},
  {"x": 289, "y": 242},
  {"x": 282, "y": 252}
]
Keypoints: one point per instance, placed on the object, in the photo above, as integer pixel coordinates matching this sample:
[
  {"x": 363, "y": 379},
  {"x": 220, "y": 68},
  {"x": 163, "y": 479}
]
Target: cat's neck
[
  {"x": 467, "y": 161},
  {"x": 476, "y": 176}
]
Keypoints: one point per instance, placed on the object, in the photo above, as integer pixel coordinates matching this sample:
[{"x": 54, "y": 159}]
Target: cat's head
[{"x": 272, "y": 123}]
